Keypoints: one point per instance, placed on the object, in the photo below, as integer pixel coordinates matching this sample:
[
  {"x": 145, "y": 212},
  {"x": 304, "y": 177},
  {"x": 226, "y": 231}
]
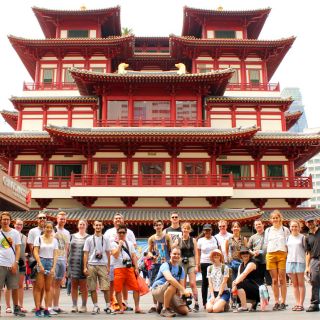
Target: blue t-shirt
[{"x": 160, "y": 279}]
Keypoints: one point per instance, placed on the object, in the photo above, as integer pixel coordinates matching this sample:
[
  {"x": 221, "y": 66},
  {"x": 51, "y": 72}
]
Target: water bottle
[{"x": 234, "y": 298}]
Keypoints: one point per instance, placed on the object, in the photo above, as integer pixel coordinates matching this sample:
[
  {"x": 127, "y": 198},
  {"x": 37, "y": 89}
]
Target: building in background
[
  {"x": 296, "y": 109},
  {"x": 148, "y": 125}
]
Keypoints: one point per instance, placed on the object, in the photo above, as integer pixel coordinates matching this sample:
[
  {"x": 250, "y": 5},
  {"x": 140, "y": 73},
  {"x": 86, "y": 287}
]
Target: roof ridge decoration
[{"x": 86, "y": 11}]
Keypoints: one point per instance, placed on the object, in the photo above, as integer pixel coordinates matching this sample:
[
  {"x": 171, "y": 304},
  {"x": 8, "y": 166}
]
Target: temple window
[
  {"x": 97, "y": 70},
  {"x": 203, "y": 68},
  {"x": 109, "y": 168},
  {"x": 275, "y": 170},
  {"x": 78, "y": 33},
  {"x": 27, "y": 170},
  {"x": 186, "y": 110},
  {"x": 117, "y": 110},
  {"x": 238, "y": 171},
  {"x": 194, "y": 168},
  {"x": 48, "y": 75},
  {"x": 65, "y": 170},
  {"x": 151, "y": 110},
  {"x": 225, "y": 34},
  {"x": 254, "y": 76},
  {"x": 152, "y": 167}
]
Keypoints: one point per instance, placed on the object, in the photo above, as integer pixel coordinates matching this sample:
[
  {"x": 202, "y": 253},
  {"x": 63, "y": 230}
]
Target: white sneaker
[
  {"x": 82, "y": 309},
  {"x": 52, "y": 312},
  {"x": 95, "y": 310},
  {"x": 74, "y": 309}
]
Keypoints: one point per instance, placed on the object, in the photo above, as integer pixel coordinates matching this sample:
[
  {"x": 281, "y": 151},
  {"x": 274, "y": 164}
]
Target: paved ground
[{"x": 146, "y": 303}]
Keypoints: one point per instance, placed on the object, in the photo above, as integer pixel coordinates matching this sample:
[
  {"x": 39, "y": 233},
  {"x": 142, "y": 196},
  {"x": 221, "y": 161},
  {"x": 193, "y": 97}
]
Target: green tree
[{"x": 126, "y": 31}]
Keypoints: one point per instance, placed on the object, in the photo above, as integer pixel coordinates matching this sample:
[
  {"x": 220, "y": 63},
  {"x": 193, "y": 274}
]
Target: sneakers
[
  {"x": 152, "y": 310},
  {"x": 46, "y": 314},
  {"x": 282, "y": 306},
  {"x": 82, "y": 309},
  {"x": 159, "y": 307},
  {"x": 167, "y": 313},
  {"x": 196, "y": 307},
  {"x": 38, "y": 313},
  {"x": 95, "y": 310},
  {"x": 74, "y": 309},
  {"x": 17, "y": 312},
  {"x": 313, "y": 308},
  {"x": 52, "y": 312},
  {"x": 276, "y": 307},
  {"x": 59, "y": 311}
]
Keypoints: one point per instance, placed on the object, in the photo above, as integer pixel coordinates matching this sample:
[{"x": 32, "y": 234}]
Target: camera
[
  {"x": 98, "y": 255},
  {"x": 187, "y": 299},
  {"x": 185, "y": 260},
  {"x": 127, "y": 263}
]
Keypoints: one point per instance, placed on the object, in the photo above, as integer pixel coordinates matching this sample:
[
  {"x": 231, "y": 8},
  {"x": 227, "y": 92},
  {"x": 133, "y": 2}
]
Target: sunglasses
[
  {"x": 222, "y": 226},
  {"x": 122, "y": 232},
  {"x": 42, "y": 218},
  {"x": 174, "y": 217}
]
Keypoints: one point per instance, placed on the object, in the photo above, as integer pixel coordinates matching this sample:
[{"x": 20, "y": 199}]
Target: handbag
[{"x": 143, "y": 287}]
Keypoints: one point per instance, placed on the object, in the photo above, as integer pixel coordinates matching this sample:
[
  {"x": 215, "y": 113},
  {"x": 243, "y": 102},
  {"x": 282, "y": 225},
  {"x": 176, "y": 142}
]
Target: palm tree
[{"x": 126, "y": 31}]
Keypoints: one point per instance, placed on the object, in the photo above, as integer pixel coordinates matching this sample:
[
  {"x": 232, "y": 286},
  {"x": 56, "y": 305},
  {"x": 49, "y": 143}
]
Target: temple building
[{"x": 148, "y": 125}]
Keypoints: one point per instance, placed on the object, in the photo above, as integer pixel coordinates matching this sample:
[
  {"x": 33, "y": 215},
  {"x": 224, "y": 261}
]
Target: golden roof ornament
[
  {"x": 83, "y": 8},
  {"x": 220, "y": 8}
]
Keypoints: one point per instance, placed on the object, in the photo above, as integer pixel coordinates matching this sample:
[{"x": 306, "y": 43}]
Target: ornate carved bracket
[
  {"x": 257, "y": 152},
  {"x": 174, "y": 201},
  {"x": 129, "y": 149},
  {"x": 86, "y": 201},
  {"x": 215, "y": 202},
  {"x": 174, "y": 150},
  {"x": 129, "y": 201},
  {"x": 294, "y": 202},
  {"x": 214, "y": 149},
  {"x": 43, "y": 202},
  {"x": 259, "y": 202}
]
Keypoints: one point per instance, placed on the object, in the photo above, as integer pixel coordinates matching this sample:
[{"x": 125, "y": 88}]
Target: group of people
[{"x": 232, "y": 266}]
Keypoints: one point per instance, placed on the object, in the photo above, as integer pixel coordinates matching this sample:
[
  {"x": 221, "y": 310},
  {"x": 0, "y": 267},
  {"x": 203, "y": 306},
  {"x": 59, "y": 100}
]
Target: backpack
[
  {"x": 229, "y": 281},
  {"x": 170, "y": 268}
]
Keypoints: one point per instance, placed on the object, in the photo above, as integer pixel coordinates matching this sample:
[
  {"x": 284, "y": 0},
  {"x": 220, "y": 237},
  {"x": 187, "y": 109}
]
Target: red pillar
[
  {"x": 95, "y": 115},
  {"x": 59, "y": 74},
  {"x": 243, "y": 74},
  {"x": 173, "y": 112},
  {"x": 233, "y": 117},
  {"x": 199, "y": 108},
  {"x": 45, "y": 171},
  {"x": 258, "y": 112},
  {"x": 194, "y": 66},
  {"x": 69, "y": 108},
  {"x": 130, "y": 111},
  {"x": 11, "y": 167},
  {"x": 258, "y": 172},
  {"x": 19, "y": 123},
  {"x": 213, "y": 164},
  {"x": 45, "y": 116},
  {"x": 104, "y": 111}
]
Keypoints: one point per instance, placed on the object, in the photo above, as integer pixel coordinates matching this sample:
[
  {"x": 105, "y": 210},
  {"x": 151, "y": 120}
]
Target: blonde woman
[
  {"x": 296, "y": 263},
  {"x": 217, "y": 275},
  {"x": 189, "y": 256},
  {"x": 276, "y": 246},
  {"x": 45, "y": 252}
]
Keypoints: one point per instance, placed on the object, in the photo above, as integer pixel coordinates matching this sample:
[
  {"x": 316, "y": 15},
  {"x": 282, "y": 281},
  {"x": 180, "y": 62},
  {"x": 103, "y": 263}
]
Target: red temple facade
[{"x": 145, "y": 125}]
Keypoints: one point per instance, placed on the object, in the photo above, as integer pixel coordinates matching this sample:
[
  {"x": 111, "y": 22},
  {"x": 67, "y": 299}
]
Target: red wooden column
[
  {"x": 199, "y": 108},
  {"x": 173, "y": 111},
  {"x": 45, "y": 116},
  {"x": 291, "y": 171},
  {"x": 69, "y": 108},
  {"x": 11, "y": 166},
  {"x": 194, "y": 66},
  {"x": 95, "y": 114},
  {"x": 59, "y": 73},
  {"x": 130, "y": 110},
  {"x": 283, "y": 119},
  {"x": 258, "y": 172},
  {"x": 45, "y": 171},
  {"x": 19, "y": 122},
  {"x": 243, "y": 74},
  {"x": 233, "y": 117},
  {"x": 258, "y": 112},
  {"x": 213, "y": 164},
  {"x": 104, "y": 111},
  {"x": 37, "y": 74}
]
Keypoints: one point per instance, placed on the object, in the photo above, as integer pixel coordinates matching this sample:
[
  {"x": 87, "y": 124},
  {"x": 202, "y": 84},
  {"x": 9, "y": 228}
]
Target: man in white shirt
[
  {"x": 222, "y": 236},
  {"x": 10, "y": 242},
  {"x": 112, "y": 235},
  {"x": 96, "y": 265},
  {"x": 63, "y": 237}
]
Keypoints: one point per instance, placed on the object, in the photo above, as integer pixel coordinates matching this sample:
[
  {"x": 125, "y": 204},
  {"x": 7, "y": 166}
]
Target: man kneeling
[{"x": 168, "y": 289}]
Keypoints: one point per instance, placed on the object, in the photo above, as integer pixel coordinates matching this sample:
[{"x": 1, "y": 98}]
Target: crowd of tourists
[{"x": 234, "y": 269}]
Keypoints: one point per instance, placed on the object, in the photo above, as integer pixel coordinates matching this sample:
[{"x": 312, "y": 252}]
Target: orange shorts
[
  {"x": 276, "y": 260},
  {"x": 127, "y": 276}
]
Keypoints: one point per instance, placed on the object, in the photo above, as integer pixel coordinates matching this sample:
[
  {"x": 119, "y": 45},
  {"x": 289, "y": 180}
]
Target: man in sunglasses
[
  {"x": 313, "y": 260},
  {"x": 174, "y": 230}
]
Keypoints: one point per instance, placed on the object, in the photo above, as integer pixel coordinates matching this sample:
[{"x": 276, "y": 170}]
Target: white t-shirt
[
  {"x": 111, "y": 235},
  {"x": 63, "y": 237},
  {"x": 222, "y": 239},
  {"x": 296, "y": 248},
  {"x": 7, "y": 256},
  {"x": 33, "y": 234},
  {"x": 117, "y": 262},
  {"x": 214, "y": 274},
  {"x": 206, "y": 246},
  {"x": 46, "y": 250},
  {"x": 95, "y": 245},
  {"x": 276, "y": 239}
]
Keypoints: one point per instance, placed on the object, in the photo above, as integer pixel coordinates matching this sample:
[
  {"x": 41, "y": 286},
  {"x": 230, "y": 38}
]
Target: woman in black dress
[{"x": 75, "y": 267}]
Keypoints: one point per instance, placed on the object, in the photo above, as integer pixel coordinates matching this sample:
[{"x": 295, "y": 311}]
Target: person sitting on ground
[
  {"x": 168, "y": 288},
  {"x": 247, "y": 282},
  {"x": 217, "y": 274}
]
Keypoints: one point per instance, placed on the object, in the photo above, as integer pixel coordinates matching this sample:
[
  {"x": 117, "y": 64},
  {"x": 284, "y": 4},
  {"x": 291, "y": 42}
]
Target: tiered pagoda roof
[
  {"x": 272, "y": 51},
  {"x": 215, "y": 82},
  {"x": 108, "y": 18},
  {"x": 114, "y": 46},
  {"x": 194, "y": 19},
  {"x": 11, "y": 117}
]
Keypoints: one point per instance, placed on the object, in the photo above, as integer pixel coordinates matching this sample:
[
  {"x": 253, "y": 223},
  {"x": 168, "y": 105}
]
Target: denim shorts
[
  {"x": 295, "y": 267},
  {"x": 47, "y": 264},
  {"x": 225, "y": 295},
  {"x": 60, "y": 270}
]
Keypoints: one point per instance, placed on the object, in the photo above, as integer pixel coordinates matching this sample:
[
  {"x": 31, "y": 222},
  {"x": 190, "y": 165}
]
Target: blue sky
[{"x": 161, "y": 18}]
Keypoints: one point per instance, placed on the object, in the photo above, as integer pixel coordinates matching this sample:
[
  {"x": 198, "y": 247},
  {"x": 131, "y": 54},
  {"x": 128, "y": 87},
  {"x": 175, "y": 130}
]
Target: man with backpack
[{"x": 168, "y": 288}]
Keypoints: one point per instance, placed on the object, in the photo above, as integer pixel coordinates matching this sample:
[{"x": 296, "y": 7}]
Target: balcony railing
[
  {"x": 153, "y": 123},
  {"x": 274, "y": 183},
  {"x": 165, "y": 180},
  {"x": 34, "y": 86},
  {"x": 253, "y": 87}
]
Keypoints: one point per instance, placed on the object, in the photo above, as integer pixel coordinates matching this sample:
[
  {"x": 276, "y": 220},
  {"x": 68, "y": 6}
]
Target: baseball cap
[
  {"x": 309, "y": 218},
  {"x": 207, "y": 226}
]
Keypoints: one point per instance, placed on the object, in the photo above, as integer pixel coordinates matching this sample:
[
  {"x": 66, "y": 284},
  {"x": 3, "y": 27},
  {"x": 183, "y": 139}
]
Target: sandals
[
  {"x": 8, "y": 310},
  {"x": 298, "y": 308}
]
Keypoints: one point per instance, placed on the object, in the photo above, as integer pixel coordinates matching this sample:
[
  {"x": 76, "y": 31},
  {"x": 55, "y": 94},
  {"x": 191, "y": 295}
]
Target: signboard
[{"x": 14, "y": 192}]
